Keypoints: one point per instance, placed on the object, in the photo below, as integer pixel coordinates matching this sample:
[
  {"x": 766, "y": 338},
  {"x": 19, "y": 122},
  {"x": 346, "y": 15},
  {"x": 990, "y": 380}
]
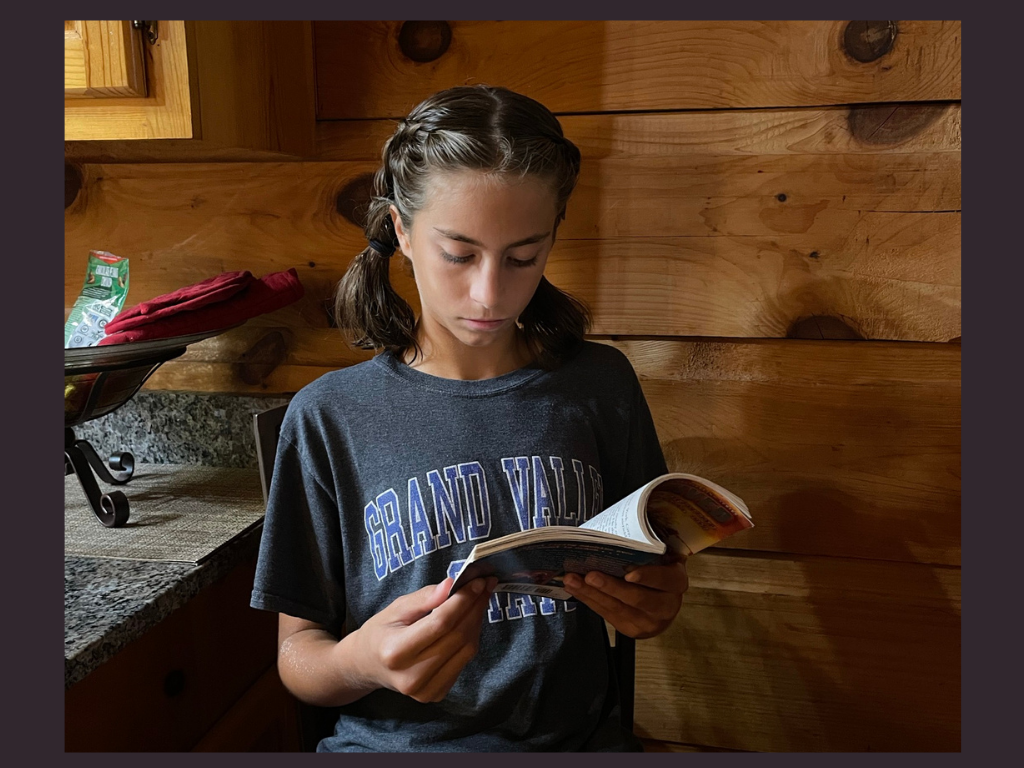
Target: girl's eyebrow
[{"x": 471, "y": 241}]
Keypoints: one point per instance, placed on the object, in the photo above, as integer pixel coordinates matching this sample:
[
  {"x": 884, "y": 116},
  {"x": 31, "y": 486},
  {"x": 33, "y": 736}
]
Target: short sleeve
[
  {"x": 644, "y": 458},
  {"x": 300, "y": 567}
]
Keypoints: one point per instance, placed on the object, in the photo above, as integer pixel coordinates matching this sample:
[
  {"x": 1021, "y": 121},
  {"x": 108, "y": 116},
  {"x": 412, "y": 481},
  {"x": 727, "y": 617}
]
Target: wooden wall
[{"x": 768, "y": 224}]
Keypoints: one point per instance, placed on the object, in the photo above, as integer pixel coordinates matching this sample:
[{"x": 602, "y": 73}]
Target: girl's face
[{"x": 478, "y": 251}]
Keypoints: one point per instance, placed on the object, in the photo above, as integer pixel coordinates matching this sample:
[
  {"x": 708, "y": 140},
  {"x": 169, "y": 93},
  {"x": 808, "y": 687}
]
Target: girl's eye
[
  {"x": 455, "y": 259},
  {"x": 463, "y": 259}
]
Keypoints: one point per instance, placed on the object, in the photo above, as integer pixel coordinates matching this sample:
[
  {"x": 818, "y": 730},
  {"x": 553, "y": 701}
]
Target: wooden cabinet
[
  {"x": 103, "y": 58},
  {"x": 216, "y": 85},
  {"x": 204, "y": 678},
  {"x": 265, "y": 719}
]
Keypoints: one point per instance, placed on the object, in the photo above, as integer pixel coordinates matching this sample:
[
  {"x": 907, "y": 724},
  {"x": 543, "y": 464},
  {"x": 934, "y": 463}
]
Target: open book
[{"x": 675, "y": 513}]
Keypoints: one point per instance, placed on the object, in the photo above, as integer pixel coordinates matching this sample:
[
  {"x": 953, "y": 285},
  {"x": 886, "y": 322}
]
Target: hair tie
[{"x": 384, "y": 249}]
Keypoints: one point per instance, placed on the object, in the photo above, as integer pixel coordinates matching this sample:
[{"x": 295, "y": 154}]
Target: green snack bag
[{"x": 102, "y": 297}]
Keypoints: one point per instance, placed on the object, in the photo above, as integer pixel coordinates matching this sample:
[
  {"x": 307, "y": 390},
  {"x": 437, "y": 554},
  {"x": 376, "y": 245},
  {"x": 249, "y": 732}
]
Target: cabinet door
[
  {"x": 165, "y": 690},
  {"x": 103, "y": 59},
  {"x": 164, "y": 110}
]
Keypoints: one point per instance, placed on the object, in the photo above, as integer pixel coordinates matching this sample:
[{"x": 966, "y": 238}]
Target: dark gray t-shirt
[{"x": 385, "y": 479}]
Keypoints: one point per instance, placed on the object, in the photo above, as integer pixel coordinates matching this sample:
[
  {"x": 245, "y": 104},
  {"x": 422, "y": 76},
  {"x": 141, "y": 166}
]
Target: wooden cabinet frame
[{"x": 234, "y": 85}]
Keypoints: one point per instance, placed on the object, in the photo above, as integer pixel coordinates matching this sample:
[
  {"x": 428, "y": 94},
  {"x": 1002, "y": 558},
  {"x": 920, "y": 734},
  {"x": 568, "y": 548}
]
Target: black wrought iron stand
[
  {"x": 108, "y": 377},
  {"x": 111, "y": 508}
]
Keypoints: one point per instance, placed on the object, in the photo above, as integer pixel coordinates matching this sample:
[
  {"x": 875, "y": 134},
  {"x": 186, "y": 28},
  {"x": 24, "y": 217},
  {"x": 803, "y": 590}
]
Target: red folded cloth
[
  {"x": 260, "y": 296},
  {"x": 187, "y": 299}
]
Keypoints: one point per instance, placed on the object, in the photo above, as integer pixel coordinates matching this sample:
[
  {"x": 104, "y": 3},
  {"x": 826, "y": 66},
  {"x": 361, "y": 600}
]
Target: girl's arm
[{"x": 416, "y": 646}]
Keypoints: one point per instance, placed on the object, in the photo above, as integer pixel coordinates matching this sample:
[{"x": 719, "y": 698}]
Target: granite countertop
[{"x": 110, "y": 602}]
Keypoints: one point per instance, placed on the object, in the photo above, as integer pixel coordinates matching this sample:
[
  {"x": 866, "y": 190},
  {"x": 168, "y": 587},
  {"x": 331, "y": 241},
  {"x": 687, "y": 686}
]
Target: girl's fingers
[
  {"x": 436, "y": 667},
  {"x": 410, "y": 608},
  {"x": 645, "y": 599},
  {"x": 623, "y": 617},
  {"x": 466, "y": 628},
  {"x": 447, "y": 616},
  {"x": 443, "y": 680},
  {"x": 665, "y": 578},
  {"x": 634, "y": 602}
]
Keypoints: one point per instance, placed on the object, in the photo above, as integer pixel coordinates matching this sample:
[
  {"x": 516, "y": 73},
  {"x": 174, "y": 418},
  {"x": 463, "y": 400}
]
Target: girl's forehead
[
  {"x": 470, "y": 195},
  {"x": 448, "y": 184}
]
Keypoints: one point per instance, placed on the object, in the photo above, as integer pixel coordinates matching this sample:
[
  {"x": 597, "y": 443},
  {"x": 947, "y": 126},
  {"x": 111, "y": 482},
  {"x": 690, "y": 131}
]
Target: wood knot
[
  {"x": 353, "y": 201},
  {"x": 866, "y": 41},
  {"x": 822, "y": 327},
  {"x": 72, "y": 184},
  {"x": 424, "y": 41},
  {"x": 262, "y": 358},
  {"x": 889, "y": 124}
]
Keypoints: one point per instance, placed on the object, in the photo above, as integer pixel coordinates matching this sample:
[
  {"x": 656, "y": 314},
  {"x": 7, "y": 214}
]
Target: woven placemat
[{"x": 179, "y": 513}]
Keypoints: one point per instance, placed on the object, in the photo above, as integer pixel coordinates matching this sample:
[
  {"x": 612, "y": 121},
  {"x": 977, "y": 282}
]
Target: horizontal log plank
[
  {"x": 888, "y": 128},
  {"x": 891, "y": 271},
  {"x": 809, "y": 655},
  {"x": 839, "y": 448},
  {"x": 365, "y": 71},
  {"x": 735, "y": 287}
]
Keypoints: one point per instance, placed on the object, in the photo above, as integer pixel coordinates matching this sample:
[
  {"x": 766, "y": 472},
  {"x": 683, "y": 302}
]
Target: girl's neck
[{"x": 450, "y": 359}]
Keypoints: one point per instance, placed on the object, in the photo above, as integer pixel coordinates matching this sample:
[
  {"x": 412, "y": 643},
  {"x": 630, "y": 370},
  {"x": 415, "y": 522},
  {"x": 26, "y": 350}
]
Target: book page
[{"x": 622, "y": 519}]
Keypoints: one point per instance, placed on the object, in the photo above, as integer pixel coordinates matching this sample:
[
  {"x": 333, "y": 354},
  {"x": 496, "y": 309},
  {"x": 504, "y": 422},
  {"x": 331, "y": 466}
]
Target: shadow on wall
[
  {"x": 888, "y": 674},
  {"x": 787, "y": 652}
]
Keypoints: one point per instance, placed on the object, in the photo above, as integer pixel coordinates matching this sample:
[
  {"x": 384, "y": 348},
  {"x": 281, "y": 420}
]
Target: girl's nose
[{"x": 485, "y": 288}]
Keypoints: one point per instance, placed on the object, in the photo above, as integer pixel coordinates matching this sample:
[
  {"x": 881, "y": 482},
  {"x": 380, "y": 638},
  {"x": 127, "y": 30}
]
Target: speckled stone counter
[
  {"x": 109, "y": 603},
  {"x": 181, "y": 428}
]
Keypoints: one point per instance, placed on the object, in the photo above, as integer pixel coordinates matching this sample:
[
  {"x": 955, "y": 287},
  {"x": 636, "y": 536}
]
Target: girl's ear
[{"x": 400, "y": 232}]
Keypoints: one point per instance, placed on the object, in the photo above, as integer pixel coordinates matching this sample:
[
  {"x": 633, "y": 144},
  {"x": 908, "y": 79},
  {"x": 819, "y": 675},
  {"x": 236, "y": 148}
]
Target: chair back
[{"x": 267, "y": 426}]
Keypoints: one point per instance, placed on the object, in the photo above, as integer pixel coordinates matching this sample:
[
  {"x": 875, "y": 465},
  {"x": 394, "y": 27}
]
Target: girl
[{"x": 486, "y": 415}]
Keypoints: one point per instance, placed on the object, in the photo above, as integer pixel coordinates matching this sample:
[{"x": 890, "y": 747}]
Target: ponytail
[{"x": 366, "y": 306}]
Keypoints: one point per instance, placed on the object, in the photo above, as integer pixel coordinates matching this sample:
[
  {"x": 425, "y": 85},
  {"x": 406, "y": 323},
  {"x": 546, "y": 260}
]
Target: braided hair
[{"x": 481, "y": 128}]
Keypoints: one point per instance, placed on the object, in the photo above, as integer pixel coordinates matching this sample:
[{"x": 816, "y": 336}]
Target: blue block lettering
[
  {"x": 422, "y": 536},
  {"x": 376, "y": 541},
  {"x": 581, "y": 504},
  {"x": 518, "y": 606},
  {"x": 399, "y": 553},
  {"x": 517, "y": 471},
  {"x": 561, "y": 513},
  {"x": 542, "y": 506},
  {"x": 447, "y": 507},
  {"x": 478, "y": 504}
]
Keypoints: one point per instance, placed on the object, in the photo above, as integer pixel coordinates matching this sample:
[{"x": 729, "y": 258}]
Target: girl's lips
[{"x": 483, "y": 324}]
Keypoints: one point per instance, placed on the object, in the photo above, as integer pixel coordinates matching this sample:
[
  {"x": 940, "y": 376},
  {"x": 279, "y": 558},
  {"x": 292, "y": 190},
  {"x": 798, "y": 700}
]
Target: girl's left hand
[{"x": 641, "y": 605}]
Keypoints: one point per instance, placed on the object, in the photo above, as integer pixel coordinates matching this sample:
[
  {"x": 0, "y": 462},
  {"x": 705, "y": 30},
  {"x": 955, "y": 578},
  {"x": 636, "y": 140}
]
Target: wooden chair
[{"x": 318, "y": 722}]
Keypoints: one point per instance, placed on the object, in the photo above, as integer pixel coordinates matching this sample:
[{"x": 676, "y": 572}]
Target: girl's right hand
[{"x": 421, "y": 642}]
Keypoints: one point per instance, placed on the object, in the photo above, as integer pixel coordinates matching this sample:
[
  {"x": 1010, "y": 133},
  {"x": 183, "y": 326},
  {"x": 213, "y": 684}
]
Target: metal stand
[
  {"x": 112, "y": 376},
  {"x": 81, "y": 458}
]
